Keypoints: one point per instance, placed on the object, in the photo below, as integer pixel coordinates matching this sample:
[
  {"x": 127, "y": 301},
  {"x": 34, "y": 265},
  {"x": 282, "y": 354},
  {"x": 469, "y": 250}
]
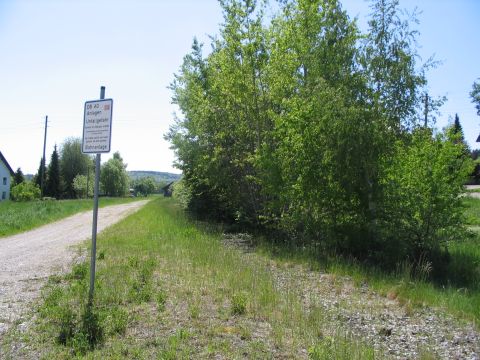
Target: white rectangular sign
[{"x": 97, "y": 126}]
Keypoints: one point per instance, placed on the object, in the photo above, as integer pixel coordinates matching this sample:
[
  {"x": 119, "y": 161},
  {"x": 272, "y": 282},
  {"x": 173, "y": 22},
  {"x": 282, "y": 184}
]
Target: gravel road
[{"x": 28, "y": 259}]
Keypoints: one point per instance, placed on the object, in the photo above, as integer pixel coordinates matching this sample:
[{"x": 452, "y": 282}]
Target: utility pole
[
  {"x": 425, "y": 112},
  {"x": 42, "y": 166}
]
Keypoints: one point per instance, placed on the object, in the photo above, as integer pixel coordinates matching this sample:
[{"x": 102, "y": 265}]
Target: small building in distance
[
  {"x": 168, "y": 189},
  {"x": 6, "y": 174}
]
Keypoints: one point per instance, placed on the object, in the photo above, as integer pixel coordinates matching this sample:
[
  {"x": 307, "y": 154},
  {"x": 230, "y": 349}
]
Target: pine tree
[
  {"x": 475, "y": 95},
  {"x": 457, "y": 127},
  {"x": 53, "y": 188},
  {"x": 37, "y": 179},
  {"x": 456, "y": 134},
  {"x": 18, "y": 178}
]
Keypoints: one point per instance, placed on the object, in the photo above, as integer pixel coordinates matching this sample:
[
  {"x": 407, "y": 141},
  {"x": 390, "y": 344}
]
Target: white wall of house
[{"x": 4, "y": 182}]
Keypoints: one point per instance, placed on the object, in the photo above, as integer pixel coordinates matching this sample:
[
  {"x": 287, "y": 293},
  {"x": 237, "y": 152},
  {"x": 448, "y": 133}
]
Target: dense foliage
[
  {"x": 84, "y": 186},
  {"x": 72, "y": 163},
  {"x": 145, "y": 186},
  {"x": 305, "y": 126},
  {"x": 25, "y": 191},
  {"x": 114, "y": 177}
]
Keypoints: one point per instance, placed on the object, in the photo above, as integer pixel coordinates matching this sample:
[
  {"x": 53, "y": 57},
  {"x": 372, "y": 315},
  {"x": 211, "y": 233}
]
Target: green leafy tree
[
  {"x": 72, "y": 163},
  {"x": 83, "y": 186},
  {"x": 389, "y": 59},
  {"x": 144, "y": 186},
  {"x": 421, "y": 208},
  {"x": 53, "y": 183},
  {"x": 25, "y": 191},
  {"x": 289, "y": 125},
  {"x": 18, "y": 177},
  {"x": 114, "y": 177},
  {"x": 223, "y": 102},
  {"x": 320, "y": 164}
]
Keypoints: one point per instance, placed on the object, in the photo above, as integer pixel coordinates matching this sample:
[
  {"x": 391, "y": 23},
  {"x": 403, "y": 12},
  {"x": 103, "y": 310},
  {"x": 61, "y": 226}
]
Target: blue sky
[{"x": 55, "y": 55}]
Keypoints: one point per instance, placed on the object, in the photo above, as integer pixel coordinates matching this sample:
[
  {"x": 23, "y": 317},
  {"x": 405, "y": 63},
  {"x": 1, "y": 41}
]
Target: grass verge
[
  {"x": 472, "y": 210},
  {"x": 16, "y": 217},
  {"x": 458, "y": 290},
  {"x": 168, "y": 288}
]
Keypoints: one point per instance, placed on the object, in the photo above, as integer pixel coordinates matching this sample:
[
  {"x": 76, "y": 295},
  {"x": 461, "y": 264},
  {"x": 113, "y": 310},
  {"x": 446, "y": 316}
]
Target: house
[
  {"x": 6, "y": 174},
  {"x": 168, "y": 189}
]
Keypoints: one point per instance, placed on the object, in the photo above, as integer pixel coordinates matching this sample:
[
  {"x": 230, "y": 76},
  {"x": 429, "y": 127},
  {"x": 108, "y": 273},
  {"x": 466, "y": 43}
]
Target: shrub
[
  {"x": 421, "y": 206},
  {"x": 82, "y": 185},
  {"x": 25, "y": 191}
]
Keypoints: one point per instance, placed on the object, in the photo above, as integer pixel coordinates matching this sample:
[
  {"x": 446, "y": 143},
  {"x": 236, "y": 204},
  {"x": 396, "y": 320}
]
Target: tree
[
  {"x": 114, "y": 177},
  {"x": 81, "y": 187},
  {"x": 72, "y": 163},
  {"x": 389, "y": 60},
  {"x": 42, "y": 171},
  {"x": 457, "y": 127},
  {"x": 475, "y": 95},
  {"x": 53, "y": 186},
  {"x": 291, "y": 125},
  {"x": 421, "y": 208},
  {"x": 144, "y": 186},
  {"x": 25, "y": 191},
  {"x": 223, "y": 102},
  {"x": 455, "y": 134},
  {"x": 18, "y": 177}
]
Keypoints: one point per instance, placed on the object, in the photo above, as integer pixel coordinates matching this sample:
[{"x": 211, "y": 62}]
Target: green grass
[
  {"x": 457, "y": 291},
  {"x": 472, "y": 210},
  {"x": 168, "y": 288},
  {"x": 459, "y": 295},
  {"x": 16, "y": 217}
]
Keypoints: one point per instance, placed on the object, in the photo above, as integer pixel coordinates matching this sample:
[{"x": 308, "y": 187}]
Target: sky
[{"x": 55, "y": 55}]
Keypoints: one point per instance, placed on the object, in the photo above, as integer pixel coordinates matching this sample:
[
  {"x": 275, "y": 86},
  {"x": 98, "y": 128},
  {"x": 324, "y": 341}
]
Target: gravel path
[
  {"x": 28, "y": 259},
  {"x": 395, "y": 330}
]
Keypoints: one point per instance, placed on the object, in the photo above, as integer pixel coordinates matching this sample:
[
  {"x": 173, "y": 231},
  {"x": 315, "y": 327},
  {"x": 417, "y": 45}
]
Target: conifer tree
[
  {"x": 475, "y": 95},
  {"x": 18, "y": 178},
  {"x": 53, "y": 187},
  {"x": 37, "y": 178}
]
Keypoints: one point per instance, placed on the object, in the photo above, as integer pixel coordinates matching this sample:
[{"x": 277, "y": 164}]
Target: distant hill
[{"x": 158, "y": 176}]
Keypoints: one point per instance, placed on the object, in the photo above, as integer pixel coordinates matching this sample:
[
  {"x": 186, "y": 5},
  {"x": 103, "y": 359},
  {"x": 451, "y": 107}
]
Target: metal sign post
[{"x": 97, "y": 131}]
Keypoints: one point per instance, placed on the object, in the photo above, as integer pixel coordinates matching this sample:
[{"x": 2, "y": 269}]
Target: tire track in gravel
[{"x": 29, "y": 258}]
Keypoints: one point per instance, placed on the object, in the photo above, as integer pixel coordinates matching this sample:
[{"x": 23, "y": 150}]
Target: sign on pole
[
  {"x": 97, "y": 126},
  {"x": 97, "y": 131}
]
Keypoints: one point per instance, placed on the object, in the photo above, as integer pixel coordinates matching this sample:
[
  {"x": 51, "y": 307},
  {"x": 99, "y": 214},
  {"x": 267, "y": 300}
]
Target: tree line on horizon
[
  {"x": 70, "y": 174},
  {"x": 301, "y": 126}
]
